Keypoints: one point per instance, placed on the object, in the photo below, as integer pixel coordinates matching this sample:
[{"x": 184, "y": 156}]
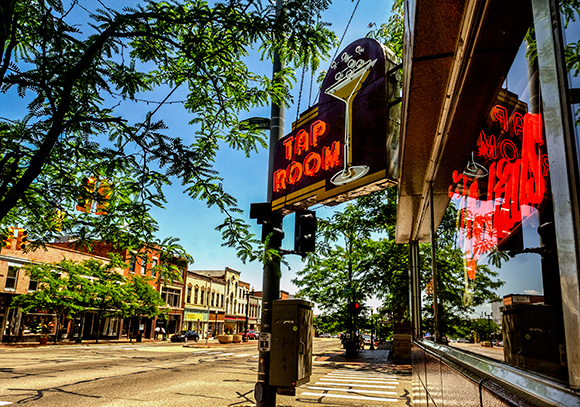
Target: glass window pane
[{"x": 502, "y": 211}]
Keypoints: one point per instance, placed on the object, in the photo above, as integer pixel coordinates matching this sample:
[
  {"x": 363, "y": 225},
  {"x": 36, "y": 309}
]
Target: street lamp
[
  {"x": 207, "y": 294},
  {"x": 247, "y": 294}
]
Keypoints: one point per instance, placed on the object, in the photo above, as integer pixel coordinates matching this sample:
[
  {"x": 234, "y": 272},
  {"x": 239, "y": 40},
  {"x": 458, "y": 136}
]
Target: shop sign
[
  {"x": 504, "y": 184},
  {"x": 339, "y": 149},
  {"x": 194, "y": 316}
]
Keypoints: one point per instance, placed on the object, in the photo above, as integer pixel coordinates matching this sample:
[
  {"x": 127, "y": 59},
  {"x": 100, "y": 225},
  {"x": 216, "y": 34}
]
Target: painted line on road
[
  {"x": 362, "y": 374},
  {"x": 5, "y": 403},
  {"x": 213, "y": 353},
  {"x": 335, "y": 378},
  {"x": 358, "y": 376},
  {"x": 227, "y": 354},
  {"x": 345, "y": 396},
  {"x": 325, "y": 383},
  {"x": 243, "y": 354},
  {"x": 256, "y": 356},
  {"x": 391, "y": 393}
]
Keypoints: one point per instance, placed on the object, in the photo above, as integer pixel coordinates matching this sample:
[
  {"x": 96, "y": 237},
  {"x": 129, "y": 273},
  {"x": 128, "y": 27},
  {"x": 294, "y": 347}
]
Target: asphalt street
[{"x": 166, "y": 374}]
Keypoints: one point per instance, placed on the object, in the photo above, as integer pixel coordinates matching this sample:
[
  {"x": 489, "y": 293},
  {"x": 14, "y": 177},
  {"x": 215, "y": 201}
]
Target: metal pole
[
  {"x": 436, "y": 315},
  {"x": 265, "y": 394},
  {"x": 247, "y": 312}
]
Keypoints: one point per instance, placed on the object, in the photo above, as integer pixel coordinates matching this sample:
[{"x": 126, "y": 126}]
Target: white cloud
[{"x": 532, "y": 292}]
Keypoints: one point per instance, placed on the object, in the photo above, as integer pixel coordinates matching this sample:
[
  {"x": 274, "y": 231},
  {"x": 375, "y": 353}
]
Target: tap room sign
[{"x": 347, "y": 145}]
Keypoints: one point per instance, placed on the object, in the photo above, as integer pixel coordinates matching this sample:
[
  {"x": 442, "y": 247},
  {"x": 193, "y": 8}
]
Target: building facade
[
  {"x": 14, "y": 325},
  {"x": 489, "y": 141}
]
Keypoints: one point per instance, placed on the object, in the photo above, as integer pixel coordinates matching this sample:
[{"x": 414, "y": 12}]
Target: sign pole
[{"x": 265, "y": 394}]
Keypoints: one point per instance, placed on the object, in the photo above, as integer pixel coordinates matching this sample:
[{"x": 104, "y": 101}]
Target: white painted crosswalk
[{"x": 353, "y": 385}]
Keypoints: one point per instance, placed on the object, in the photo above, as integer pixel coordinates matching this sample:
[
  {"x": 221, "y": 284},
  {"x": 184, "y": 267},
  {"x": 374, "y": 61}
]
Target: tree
[
  {"x": 104, "y": 291},
  {"x": 140, "y": 299},
  {"x": 74, "y": 165},
  {"x": 62, "y": 290},
  {"x": 380, "y": 266}
]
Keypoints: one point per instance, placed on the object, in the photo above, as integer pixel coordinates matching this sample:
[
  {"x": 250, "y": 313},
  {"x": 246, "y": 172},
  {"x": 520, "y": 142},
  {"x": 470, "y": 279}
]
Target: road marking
[
  {"x": 256, "y": 356},
  {"x": 346, "y": 396},
  {"x": 5, "y": 403},
  {"x": 324, "y": 382},
  {"x": 358, "y": 376},
  {"x": 243, "y": 354},
  {"x": 359, "y": 381},
  {"x": 227, "y": 354},
  {"x": 213, "y": 353},
  {"x": 354, "y": 390}
]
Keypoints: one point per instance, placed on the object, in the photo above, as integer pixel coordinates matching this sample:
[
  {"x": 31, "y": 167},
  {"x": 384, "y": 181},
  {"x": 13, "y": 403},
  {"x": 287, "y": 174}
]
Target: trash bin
[{"x": 139, "y": 337}]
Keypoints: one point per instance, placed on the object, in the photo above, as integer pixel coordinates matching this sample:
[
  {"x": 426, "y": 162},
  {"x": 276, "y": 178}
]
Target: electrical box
[{"x": 291, "y": 346}]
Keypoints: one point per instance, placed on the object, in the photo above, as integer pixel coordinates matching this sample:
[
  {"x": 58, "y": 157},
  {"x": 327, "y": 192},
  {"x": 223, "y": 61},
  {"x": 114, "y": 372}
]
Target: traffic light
[
  {"x": 21, "y": 239},
  {"x": 7, "y": 236},
  {"x": 305, "y": 231},
  {"x": 85, "y": 199}
]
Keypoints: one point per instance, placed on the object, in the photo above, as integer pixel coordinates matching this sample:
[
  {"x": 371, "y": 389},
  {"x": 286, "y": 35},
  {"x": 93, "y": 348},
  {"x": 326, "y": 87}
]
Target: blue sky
[{"x": 193, "y": 223}]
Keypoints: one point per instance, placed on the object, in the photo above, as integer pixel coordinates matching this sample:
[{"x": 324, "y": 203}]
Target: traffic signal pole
[{"x": 265, "y": 394}]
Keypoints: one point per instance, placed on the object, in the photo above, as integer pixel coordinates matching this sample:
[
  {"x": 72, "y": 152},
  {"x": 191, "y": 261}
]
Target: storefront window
[
  {"x": 38, "y": 324},
  {"x": 507, "y": 293},
  {"x": 571, "y": 23}
]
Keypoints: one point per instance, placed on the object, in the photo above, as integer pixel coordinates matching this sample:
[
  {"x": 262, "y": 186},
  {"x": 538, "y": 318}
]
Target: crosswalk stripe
[
  {"x": 348, "y": 396},
  {"x": 227, "y": 354},
  {"x": 359, "y": 381},
  {"x": 365, "y": 376},
  {"x": 354, "y": 390},
  {"x": 325, "y": 383},
  {"x": 5, "y": 403}
]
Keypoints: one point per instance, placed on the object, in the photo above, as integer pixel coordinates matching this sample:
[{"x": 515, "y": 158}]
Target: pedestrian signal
[{"x": 305, "y": 231}]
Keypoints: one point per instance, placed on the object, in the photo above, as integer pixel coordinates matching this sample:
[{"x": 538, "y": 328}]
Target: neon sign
[
  {"x": 504, "y": 183},
  {"x": 345, "y": 131}
]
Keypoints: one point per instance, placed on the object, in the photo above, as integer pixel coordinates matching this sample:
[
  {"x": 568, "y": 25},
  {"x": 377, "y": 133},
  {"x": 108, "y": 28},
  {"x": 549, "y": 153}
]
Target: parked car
[
  {"x": 324, "y": 335},
  {"x": 184, "y": 336},
  {"x": 367, "y": 339},
  {"x": 462, "y": 340},
  {"x": 251, "y": 334}
]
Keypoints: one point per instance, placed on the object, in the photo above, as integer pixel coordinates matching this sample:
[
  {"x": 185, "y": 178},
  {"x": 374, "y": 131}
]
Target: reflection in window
[{"x": 502, "y": 209}]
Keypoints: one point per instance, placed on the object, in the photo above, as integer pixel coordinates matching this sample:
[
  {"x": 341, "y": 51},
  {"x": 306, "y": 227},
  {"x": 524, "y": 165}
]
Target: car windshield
[{"x": 180, "y": 333}]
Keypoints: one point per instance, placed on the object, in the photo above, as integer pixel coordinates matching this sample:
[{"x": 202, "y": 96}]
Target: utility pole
[{"x": 265, "y": 394}]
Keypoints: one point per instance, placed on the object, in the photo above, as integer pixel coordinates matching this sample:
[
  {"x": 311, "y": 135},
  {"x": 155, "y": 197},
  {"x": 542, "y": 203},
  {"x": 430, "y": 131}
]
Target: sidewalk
[{"x": 372, "y": 359}]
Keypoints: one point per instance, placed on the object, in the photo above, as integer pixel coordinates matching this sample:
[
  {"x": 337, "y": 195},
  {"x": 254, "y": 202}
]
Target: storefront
[
  {"x": 195, "y": 319},
  {"x": 489, "y": 149}
]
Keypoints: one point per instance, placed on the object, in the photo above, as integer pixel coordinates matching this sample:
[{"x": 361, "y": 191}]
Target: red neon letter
[
  {"x": 294, "y": 172},
  {"x": 517, "y": 123},
  {"x": 500, "y": 114},
  {"x": 486, "y": 146},
  {"x": 509, "y": 150},
  {"x": 312, "y": 164},
  {"x": 317, "y": 129},
  {"x": 331, "y": 156},
  {"x": 532, "y": 182},
  {"x": 288, "y": 144},
  {"x": 301, "y": 143},
  {"x": 279, "y": 180}
]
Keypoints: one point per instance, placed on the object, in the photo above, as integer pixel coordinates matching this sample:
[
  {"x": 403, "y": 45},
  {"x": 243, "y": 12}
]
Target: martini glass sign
[{"x": 348, "y": 83}]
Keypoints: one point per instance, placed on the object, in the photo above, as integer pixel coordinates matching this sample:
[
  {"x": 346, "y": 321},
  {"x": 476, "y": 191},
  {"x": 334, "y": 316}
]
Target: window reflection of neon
[{"x": 516, "y": 183}]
